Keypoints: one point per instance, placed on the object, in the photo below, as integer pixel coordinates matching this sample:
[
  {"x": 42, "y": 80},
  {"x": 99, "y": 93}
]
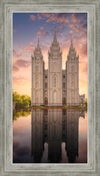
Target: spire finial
[
  {"x": 71, "y": 42},
  {"x": 38, "y": 42}
]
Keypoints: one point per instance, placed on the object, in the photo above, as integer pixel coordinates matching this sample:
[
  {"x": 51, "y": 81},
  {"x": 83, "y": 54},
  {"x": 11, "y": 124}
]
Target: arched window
[{"x": 46, "y": 100}]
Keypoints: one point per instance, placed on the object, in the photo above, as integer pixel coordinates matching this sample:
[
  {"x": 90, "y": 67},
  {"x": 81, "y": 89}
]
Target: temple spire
[
  {"x": 72, "y": 52},
  {"x": 37, "y": 51},
  {"x": 55, "y": 48},
  {"x": 38, "y": 44},
  {"x": 71, "y": 46}
]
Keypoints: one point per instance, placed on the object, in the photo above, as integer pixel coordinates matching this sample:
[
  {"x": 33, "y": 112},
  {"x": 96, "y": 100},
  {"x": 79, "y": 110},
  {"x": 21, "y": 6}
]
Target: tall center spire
[
  {"x": 71, "y": 46},
  {"x": 55, "y": 51},
  {"x": 38, "y": 44}
]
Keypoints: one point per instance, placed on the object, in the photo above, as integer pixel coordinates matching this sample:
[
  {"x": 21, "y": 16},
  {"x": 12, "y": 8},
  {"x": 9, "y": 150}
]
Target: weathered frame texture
[{"x": 7, "y": 7}]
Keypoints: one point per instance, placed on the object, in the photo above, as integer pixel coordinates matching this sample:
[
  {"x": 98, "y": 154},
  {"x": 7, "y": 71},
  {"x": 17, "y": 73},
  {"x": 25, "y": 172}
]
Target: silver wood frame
[{"x": 92, "y": 8}]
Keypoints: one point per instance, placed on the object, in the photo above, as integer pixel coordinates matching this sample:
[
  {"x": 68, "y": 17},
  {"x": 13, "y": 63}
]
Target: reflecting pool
[{"x": 50, "y": 136}]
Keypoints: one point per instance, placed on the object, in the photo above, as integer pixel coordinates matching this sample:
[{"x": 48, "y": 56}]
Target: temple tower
[
  {"x": 37, "y": 76},
  {"x": 55, "y": 73},
  {"x": 72, "y": 70}
]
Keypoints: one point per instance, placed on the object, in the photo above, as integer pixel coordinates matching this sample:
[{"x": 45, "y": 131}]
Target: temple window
[
  {"x": 45, "y": 85},
  {"x": 64, "y": 85}
]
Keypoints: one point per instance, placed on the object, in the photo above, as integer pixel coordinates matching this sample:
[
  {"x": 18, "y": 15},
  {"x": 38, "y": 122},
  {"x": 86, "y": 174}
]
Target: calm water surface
[{"x": 50, "y": 136}]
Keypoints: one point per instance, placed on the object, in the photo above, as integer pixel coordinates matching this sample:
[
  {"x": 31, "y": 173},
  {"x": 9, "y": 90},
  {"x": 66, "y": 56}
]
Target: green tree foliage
[
  {"x": 86, "y": 101},
  {"x": 16, "y": 97},
  {"x": 25, "y": 100}
]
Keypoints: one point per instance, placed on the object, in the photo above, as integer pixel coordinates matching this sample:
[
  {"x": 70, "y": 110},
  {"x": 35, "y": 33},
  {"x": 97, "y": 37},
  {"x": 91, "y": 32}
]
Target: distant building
[{"x": 55, "y": 86}]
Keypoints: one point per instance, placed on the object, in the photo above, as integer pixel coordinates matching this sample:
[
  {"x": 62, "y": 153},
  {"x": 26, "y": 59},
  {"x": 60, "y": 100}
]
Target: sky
[{"x": 28, "y": 27}]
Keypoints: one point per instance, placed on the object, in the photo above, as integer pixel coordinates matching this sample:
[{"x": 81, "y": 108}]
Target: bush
[{"x": 23, "y": 100}]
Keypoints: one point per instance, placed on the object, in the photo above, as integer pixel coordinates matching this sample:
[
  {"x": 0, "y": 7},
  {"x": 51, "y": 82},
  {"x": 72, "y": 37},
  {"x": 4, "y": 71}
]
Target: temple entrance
[
  {"x": 46, "y": 101},
  {"x": 64, "y": 101}
]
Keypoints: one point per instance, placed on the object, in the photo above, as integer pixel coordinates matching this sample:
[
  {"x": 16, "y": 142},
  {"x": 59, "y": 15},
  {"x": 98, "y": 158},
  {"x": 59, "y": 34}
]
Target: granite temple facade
[{"x": 55, "y": 86}]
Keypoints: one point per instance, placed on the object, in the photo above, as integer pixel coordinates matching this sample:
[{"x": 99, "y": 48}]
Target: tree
[
  {"x": 86, "y": 102},
  {"x": 21, "y": 99}
]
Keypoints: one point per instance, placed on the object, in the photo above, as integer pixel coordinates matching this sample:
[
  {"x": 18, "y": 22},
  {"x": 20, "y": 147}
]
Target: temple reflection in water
[{"x": 55, "y": 127}]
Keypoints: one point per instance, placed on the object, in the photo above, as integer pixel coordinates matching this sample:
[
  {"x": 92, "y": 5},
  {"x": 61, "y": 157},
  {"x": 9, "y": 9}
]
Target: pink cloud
[
  {"x": 77, "y": 28},
  {"x": 58, "y": 19},
  {"x": 41, "y": 32},
  {"x": 39, "y": 16},
  {"x": 54, "y": 17},
  {"x": 17, "y": 54},
  {"x": 74, "y": 27},
  {"x": 31, "y": 43},
  {"x": 22, "y": 63},
  {"x": 47, "y": 15},
  {"x": 19, "y": 78},
  {"x": 74, "y": 18},
  {"x": 32, "y": 17},
  {"x": 70, "y": 32},
  {"x": 29, "y": 48},
  {"x": 42, "y": 28}
]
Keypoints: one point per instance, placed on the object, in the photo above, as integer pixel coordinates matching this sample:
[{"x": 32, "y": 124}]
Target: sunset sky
[{"x": 27, "y": 27}]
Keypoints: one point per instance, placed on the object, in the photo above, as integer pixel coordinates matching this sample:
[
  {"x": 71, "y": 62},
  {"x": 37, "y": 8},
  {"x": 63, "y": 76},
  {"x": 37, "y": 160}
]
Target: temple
[{"x": 55, "y": 86}]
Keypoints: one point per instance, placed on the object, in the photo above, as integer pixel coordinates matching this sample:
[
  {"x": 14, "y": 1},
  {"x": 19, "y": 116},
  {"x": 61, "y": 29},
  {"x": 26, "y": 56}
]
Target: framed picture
[{"x": 50, "y": 88}]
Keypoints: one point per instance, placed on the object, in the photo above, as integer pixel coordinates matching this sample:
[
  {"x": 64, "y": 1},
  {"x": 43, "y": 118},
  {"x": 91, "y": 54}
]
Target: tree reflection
[{"x": 17, "y": 114}]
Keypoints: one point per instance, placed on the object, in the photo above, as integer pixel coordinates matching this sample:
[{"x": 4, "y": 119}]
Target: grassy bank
[{"x": 57, "y": 107}]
